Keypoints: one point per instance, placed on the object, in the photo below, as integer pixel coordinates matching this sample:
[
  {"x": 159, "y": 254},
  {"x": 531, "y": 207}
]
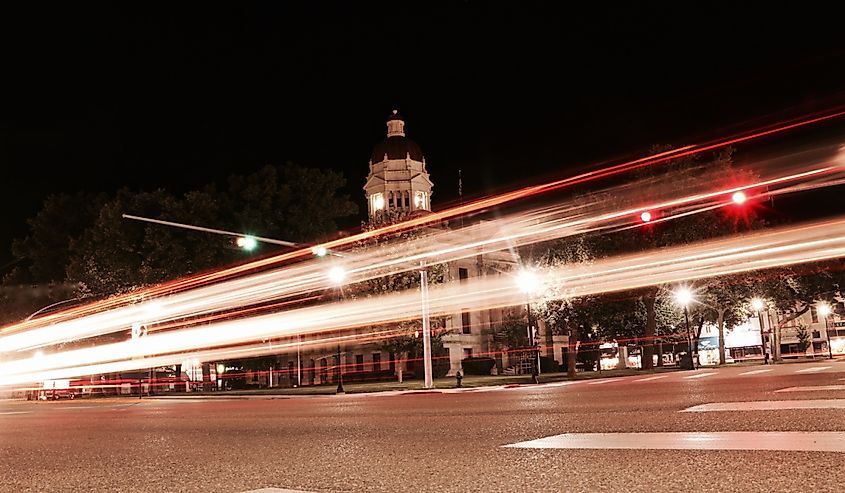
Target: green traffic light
[{"x": 247, "y": 243}]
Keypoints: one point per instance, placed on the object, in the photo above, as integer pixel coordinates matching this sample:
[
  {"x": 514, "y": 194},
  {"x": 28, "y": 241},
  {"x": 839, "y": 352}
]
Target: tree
[
  {"x": 724, "y": 301},
  {"x": 86, "y": 240},
  {"x": 45, "y": 251},
  {"x": 642, "y": 312},
  {"x": 803, "y": 335},
  {"x": 393, "y": 279}
]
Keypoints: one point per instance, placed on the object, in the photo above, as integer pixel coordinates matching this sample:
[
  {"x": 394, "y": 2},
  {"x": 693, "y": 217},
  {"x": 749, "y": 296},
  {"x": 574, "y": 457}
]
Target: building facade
[{"x": 399, "y": 184}]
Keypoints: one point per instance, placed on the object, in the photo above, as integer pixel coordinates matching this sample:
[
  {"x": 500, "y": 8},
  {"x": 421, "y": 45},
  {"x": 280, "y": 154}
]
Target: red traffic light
[
  {"x": 739, "y": 198},
  {"x": 645, "y": 216}
]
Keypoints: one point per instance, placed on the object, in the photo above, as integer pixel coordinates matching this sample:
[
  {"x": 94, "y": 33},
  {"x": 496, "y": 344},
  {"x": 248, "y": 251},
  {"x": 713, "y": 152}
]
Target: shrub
[
  {"x": 548, "y": 365},
  {"x": 479, "y": 365}
]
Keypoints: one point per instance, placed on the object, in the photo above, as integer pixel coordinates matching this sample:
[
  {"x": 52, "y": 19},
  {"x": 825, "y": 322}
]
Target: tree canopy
[{"x": 84, "y": 239}]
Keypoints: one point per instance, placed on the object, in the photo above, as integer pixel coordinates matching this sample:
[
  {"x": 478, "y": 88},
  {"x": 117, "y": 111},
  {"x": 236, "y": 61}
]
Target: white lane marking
[
  {"x": 600, "y": 382},
  {"x": 767, "y": 405},
  {"x": 821, "y": 441},
  {"x": 811, "y": 370},
  {"x": 817, "y": 388},
  {"x": 701, "y": 375},
  {"x": 651, "y": 378},
  {"x": 563, "y": 384},
  {"x": 755, "y": 372},
  {"x": 14, "y": 412}
]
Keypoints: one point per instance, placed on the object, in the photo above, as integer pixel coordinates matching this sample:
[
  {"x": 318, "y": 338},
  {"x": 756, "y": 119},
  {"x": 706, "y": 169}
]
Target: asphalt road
[{"x": 431, "y": 441}]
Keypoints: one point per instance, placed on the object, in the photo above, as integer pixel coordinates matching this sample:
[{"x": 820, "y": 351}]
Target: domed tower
[{"x": 398, "y": 181}]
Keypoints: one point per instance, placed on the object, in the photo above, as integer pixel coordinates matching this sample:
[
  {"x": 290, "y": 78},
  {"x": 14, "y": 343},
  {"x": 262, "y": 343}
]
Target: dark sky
[{"x": 98, "y": 96}]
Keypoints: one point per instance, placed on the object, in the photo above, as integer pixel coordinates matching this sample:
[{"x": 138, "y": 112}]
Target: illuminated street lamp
[
  {"x": 529, "y": 283},
  {"x": 825, "y": 311},
  {"x": 758, "y": 305},
  {"x": 684, "y": 297},
  {"x": 337, "y": 274}
]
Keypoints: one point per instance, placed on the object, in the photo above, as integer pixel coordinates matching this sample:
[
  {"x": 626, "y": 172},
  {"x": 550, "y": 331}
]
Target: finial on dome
[{"x": 395, "y": 125}]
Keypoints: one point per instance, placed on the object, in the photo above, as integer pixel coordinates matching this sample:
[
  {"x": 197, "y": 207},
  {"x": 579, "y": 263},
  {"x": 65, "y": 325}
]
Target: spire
[{"x": 395, "y": 125}]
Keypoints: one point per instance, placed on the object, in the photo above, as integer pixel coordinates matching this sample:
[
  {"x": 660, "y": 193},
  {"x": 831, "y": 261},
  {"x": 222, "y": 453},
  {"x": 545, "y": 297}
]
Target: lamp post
[
  {"x": 336, "y": 275},
  {"x": 426, "y": 329},
  {"x": 758, "y": 304},
  {"x": 43, "y": 309},
  {"x": 684, "y": 296},
  {"x": 528, "y": 284},
  {"x": 825, "y": 311}
]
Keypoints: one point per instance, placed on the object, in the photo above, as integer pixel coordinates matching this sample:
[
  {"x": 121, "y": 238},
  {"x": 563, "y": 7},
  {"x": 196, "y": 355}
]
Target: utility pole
[{"x": 426, "y": 329}]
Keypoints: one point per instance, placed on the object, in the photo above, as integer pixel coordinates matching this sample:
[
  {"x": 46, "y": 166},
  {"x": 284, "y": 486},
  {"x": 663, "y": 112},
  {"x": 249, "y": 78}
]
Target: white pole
[
  {"x": 298, "y": 364},
  {"x": 429, "y": 383}
]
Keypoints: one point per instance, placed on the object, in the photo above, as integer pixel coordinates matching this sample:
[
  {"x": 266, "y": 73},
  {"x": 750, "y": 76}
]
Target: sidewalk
[{"x": 469, "y": 383}]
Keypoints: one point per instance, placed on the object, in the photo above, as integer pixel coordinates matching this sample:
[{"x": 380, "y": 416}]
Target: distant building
[{"x": 399, "y": 184}]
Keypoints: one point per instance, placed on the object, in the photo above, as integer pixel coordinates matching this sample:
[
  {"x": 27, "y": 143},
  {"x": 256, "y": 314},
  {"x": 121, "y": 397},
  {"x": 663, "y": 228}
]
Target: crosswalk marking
[
  {"x": 651, "y": 378},
  {"x": 13, "y": 412},
  {"x": 599, "y": 382},
  {"x": 812, "y": 370},
  {"x": 755, "y": 372},
  {"x": 275, "y": 490},
  {"x": 767, "y": 405},
  {"x": 816, "y": 388},
  {"x": 701, "y": 375},
  {"x": 821, "y": 441}
]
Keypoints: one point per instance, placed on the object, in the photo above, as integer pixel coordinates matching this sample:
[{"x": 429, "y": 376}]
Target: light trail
[
  {"x": 512, "y": 230},
  {"x": 774, "y": 248},
  {"x": 485, "y": 203}
]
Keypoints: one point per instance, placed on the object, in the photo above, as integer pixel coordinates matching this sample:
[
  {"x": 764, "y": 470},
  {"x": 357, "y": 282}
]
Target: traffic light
[
  {"x": 645, "y": 217},
  {"x": 739, "y": 198},
  {"x": 247, "y": 243}
]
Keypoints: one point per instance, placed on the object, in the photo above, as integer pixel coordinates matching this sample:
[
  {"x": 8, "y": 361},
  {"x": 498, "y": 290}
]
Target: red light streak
[{"x": 216, "y": 276}]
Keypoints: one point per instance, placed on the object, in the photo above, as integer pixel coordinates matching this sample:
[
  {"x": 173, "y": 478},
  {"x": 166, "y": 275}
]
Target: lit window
[
  {"x": 377, "y": 201},
  {"x": 419, "y": 200}
]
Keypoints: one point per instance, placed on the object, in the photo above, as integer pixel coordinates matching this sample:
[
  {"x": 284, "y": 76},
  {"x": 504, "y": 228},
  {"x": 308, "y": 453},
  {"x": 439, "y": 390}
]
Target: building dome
[
  {"x": 396, "y": 145},
  {"x": 398, "y": 182}
]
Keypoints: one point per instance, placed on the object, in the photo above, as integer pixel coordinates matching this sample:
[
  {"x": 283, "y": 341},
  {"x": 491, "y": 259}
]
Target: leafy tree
[
  {"x": 44, "y": 252},
  {"x": 86, "y": 240},
  {"x": 803, "y": 335},
  {"x": 390, "y": 280},
  {"x": 794, "y": 289},
  {"x": 724, "y": 301},
  {"x": 686, "y": 173},
  {"x": 513, "y": 330}
]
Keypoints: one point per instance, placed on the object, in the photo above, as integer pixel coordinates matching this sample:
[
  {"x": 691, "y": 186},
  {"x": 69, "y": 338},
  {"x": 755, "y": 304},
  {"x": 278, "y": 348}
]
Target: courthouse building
[{"x": 399, "y": 184}]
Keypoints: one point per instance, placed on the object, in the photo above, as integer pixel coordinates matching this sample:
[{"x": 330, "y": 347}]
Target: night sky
[{"x": 102, "y": 96}]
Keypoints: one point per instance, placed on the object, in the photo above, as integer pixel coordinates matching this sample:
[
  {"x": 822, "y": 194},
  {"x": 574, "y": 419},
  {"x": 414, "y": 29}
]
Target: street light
[
  {"x": 684, "y": 296},
  {"x": 529, "y": 283},
  {"x": 428, "y": 376},
  {"x": 758, "y": 305},
  {"x": 336, "y": 275},
  {"x": 825, "y": 311}
]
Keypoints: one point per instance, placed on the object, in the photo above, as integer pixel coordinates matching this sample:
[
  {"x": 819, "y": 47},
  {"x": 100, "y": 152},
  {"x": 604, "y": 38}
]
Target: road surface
[{"x": 751, "y": 428}]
